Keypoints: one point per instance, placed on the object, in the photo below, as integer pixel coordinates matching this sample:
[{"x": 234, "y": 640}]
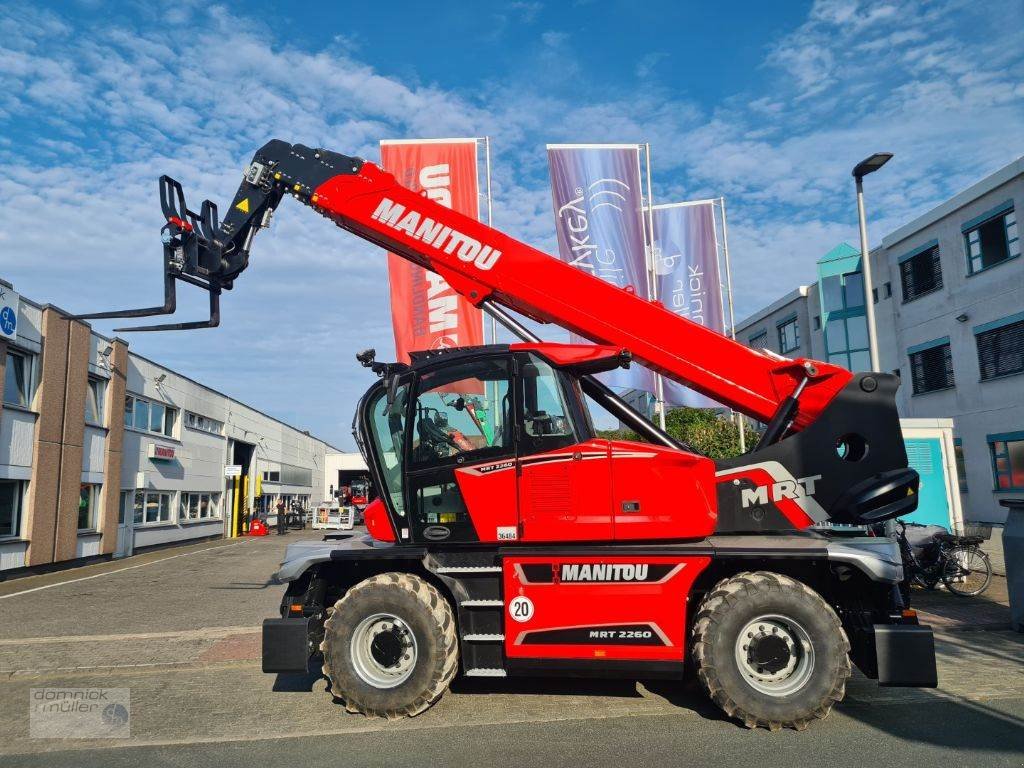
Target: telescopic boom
[{"x": 483, "y": 265}]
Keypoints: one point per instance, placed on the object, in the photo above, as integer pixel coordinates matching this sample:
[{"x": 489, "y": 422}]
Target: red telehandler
[{"x": 509, "y": 539}]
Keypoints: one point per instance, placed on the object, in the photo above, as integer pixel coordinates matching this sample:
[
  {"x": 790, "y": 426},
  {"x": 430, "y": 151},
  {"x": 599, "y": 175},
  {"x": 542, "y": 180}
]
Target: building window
[
  {"x": 149, "y": 416},
  {"x": 152, "y": 507},
  {"x": 198, "y": 506},
  {"x": 920, "y": 272},
  {"x": 203, "y": 423},
  {"x": 931, "y": 366},
  {"x": 853, "y": 290},
  {"x": 993, "y": 240},
  {"x": 1008, "y": 460},
  {"x": 88, "y": 505},
  {"x": 1001, "y": 347},
  {"x": 817, "y": 322},
  {"x": 272, "y": 476},
  {"x": 789, "y": 335},
  {"x": 759, "y": 340},
  {"x": 846, "y": 340},
  {"x": 123, "y": 506},
  {"x": 18, "y": 379},
  {"x": 961, "y": 465},
  {"x": 12, "y": 495},
  {"x": 95, "y": 394},
  {"x": 888, "y": 290}
]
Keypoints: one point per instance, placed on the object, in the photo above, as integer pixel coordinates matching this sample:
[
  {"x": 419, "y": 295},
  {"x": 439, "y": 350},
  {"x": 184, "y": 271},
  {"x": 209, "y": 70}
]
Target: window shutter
[
  {"x": 1001, "y": 351},
  {"x": 921, "y": 274},
  {"x": 932, "y": 369}
]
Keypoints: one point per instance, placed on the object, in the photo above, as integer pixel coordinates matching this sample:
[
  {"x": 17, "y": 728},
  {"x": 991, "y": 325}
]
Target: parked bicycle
[{"x": 956, "y": 561}]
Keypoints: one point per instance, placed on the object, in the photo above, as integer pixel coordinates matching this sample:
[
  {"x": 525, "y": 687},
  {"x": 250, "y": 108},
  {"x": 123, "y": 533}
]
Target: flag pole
[
  {"x": 492, "y": 396},
  {"x": 490, "y": 221},
  {"x": 652, "y": 284},
  {"x": 732, "y": 316}
]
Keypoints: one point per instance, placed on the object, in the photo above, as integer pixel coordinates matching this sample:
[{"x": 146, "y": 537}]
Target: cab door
[
  {"x": 459, "y": 428},
  {"x": 564, "y": 472}
]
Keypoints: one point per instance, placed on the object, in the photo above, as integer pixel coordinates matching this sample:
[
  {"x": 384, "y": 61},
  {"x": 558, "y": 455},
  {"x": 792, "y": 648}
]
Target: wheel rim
[
  {"x": 775, "y": 655},
  {"x": 966, "y": 572},
  {"x": 384, "y": 650}
]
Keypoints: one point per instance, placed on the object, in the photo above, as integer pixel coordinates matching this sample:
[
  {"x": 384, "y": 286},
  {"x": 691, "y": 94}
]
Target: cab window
[
  {"x": 388, "y": 426},
  {"x": 547, "y": 418},
  {"x": 463, "y": 414}
]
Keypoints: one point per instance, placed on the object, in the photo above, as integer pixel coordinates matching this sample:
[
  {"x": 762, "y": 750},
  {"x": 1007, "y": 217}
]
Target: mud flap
[
  {"x": 897, "y": 655},
  {"x": 286, "y": 645}
]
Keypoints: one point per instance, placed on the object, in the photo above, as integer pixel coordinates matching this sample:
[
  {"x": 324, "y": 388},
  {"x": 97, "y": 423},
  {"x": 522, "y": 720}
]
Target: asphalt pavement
[{"x": 180, "y": 630}]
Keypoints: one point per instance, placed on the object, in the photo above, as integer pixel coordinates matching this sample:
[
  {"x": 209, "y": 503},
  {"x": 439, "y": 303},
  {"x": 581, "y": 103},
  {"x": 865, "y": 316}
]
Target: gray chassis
[
  {"x": 878, "y": 558},
  {"x": 897, "y": 652}
]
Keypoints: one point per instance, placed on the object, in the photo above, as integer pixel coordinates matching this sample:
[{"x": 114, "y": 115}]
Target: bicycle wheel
[{"x": 967, "y": 571}]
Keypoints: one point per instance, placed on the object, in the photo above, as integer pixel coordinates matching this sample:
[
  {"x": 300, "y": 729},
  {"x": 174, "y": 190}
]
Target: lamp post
[{"x": 862, "y": 169}]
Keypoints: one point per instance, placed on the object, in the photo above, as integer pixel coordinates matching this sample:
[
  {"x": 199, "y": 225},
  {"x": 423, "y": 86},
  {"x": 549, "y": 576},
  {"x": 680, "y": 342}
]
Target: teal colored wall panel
[{"x": 925, "y": 455}]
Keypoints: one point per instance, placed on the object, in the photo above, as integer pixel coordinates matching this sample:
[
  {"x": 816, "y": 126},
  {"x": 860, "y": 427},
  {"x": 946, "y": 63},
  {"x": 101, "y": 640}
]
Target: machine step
[
  {"x": 486, "y": 672},
  {"x": 484, "y": 638},
  {"x": 482, "y": 604}
]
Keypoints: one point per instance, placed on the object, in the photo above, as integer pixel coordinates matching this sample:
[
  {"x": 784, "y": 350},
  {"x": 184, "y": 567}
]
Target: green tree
[{"x": 709, "y": 432}]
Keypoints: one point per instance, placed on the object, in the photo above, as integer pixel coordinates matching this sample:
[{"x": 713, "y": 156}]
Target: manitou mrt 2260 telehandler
[{"x": 509, "y": 539}]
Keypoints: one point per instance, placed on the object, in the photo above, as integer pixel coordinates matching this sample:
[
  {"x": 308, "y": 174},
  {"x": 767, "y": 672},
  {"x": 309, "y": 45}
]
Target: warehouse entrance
[{"x": 239, "y": 488}]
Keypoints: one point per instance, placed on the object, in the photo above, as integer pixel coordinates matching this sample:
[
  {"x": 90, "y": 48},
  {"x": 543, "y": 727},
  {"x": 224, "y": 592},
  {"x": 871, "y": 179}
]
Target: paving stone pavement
[
  {"x": 949, "y": 613},
  {"x": 183, "y": 635}
]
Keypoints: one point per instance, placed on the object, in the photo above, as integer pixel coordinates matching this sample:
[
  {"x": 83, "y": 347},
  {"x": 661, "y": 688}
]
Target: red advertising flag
[{"x": 425, "y": 312}]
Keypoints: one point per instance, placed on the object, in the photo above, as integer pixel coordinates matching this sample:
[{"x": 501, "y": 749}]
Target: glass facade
[
  {"x": 846, "y": 330},
  {"x": 843, "y": 314}
]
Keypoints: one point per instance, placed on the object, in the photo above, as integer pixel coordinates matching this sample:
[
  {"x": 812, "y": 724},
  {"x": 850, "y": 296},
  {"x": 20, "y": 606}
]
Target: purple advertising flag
[
  {"x": 599, "y": 214},
  {"x": 686, "y": 276}
]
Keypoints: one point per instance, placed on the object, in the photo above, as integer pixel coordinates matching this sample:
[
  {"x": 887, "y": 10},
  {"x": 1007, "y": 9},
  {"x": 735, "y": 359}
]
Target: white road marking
[
  {"x": 119, "y": 570},
  {"x": 202, "y": 633},
  {"x": 44, "y": 670}
]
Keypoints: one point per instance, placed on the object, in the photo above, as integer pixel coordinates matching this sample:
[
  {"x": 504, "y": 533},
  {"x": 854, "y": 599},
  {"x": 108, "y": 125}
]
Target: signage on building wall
[
  {"x": 9, "y": 301},
  {"x": 233, "y": 470},
  {"x": 161, "y": 452}
]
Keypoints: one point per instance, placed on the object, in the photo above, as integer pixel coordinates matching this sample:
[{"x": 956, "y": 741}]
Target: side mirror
[{"x": 392, "y": 388}]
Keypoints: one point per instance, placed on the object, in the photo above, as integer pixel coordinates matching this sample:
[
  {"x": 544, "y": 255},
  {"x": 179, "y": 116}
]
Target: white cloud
[{"x": 112, "y": 107}]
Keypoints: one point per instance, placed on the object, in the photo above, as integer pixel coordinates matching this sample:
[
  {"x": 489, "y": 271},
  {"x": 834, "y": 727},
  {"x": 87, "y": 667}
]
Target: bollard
[{"x": 1013, "y": 551}]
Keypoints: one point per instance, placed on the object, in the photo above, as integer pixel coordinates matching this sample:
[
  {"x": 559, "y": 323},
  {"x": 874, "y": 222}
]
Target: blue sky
[{"x": 768, "y": 104}]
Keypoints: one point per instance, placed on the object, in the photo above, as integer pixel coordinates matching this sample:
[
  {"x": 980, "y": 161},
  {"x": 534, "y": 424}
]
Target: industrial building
[
  {"x": 342, "y": 469},
  {"x": 104, "y": 452},
  {"x": 949, "y": 304}
]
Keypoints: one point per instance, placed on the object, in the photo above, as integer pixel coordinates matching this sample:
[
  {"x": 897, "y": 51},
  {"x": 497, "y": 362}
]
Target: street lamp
[{"x": 862, "y": 169}]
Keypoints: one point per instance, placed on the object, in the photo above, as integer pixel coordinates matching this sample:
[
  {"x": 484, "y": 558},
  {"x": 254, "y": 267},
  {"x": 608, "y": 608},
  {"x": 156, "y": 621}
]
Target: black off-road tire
[
  {"x": 426, "y": 613},
  {"x": 722, "y": 616}
]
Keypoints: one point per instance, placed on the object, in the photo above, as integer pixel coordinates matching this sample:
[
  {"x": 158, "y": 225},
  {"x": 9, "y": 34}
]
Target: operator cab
[{"x": 490, "y": 443}]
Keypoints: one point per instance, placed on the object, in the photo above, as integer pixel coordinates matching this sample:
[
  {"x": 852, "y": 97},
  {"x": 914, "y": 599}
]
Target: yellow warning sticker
[{"x": 243, "y": 206}]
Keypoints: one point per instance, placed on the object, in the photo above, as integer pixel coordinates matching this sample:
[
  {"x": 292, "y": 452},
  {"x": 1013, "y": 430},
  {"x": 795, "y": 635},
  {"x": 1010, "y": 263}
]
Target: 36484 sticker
[{"x": 508, "y": 533}]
